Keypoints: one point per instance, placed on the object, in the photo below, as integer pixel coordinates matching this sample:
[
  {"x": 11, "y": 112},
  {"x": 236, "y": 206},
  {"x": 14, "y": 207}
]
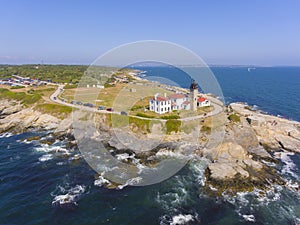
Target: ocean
[{"x": 42, "y": 184}]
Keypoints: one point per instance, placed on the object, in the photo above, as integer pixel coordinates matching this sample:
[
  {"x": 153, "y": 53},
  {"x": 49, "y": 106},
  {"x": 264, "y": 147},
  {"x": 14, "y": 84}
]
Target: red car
[{"x": 109, "y": 109}]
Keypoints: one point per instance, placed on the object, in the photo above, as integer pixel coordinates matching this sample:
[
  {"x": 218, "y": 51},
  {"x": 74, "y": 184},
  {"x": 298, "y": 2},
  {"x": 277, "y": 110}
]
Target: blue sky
[{"x": 260, "y": 32}]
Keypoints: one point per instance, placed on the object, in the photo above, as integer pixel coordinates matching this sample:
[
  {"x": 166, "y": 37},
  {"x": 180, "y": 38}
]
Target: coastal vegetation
[
  {"x": 20, "y": 96},
  {"x": 206, "y": 129},
  {"x": 70, "y": 86},
  {"x": 234, "y": 118},
  {"x": 173, "y": 125},
  {"x": 55, "y": 73},
  {"x": 61, "y": 111}
]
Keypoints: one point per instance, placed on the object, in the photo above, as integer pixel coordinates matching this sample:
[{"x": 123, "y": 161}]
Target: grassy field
[
  {"x": 59, "y": 111},
  {"x": 122, "y": 97},
  {"x": 23, "y": 97}
]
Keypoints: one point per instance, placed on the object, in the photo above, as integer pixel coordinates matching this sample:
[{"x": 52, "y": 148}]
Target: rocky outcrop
[
  {"x": 16, "y": 118},
  {"x": 272, "y": 132}
]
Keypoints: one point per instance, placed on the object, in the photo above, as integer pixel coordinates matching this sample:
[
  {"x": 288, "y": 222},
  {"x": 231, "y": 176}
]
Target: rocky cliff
[{"x": 235, "y": 161}]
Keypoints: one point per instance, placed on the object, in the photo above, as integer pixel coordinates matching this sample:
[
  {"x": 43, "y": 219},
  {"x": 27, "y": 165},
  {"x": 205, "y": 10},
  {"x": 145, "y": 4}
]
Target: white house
[
  {"x": 202, "y": 102},
  {"x": 177, "y": 101},
  {"x": 160, "y": 104}
]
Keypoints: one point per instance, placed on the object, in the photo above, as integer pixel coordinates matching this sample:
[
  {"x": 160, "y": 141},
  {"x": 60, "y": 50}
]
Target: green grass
[
  {"x": 119, "y": 121},
  {"x": 70, "y": 86},
  {"x": 206, "y": 129},
  {"x": 234, "y": 118},
  {"x": 137, "y": 107},
  {"x": 143, "y": 125},
  {"x": 60, "y": 111},
  {"x": 170, "y": 117},
  {"x": 17, "y": 87},
  {"x": 144, "y": 115},
  {"x": 173, "y": 126},
  {"x": 24, "y": 98}
]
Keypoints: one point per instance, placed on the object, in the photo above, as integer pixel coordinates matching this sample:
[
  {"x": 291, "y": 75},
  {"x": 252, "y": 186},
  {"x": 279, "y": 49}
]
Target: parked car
[
  {"x": 79, "y": 103},
  {"x": 54, "y": 98},
  {"x": 123, "y": 113},
  {"x": 101, "y": 108},
  {"x": 73, "y": 102},
  {"x": 109, "y": 110},
  {"x": 88, "y": 105}
]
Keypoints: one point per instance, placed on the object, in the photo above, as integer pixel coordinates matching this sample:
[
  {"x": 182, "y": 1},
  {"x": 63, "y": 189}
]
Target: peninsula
[{"x": 251, "y": 140}]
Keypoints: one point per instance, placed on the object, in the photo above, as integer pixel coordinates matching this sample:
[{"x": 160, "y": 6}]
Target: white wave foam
[
  {"x": 124, "y": 156},
  {"x": 174, "y": 197},
  {"x": 181, "y": 219},
  {"x": 269, "y": 163},
  {"x": 70, "y": 197},
  {"x": 289, "y": 166},
  {"x": 46, "y": 157},
  {"x": 101, "y": 181},
  {"x": 293, "y": 186},
  {"x": 6, "y": 135},
  {"x": 171, "y": 154},
  {"x": 198, "y": 169},
  {"x": 51, "y": 148},
  {"x": 132, "y": 181},
  {"x": 249, "y": 218}
]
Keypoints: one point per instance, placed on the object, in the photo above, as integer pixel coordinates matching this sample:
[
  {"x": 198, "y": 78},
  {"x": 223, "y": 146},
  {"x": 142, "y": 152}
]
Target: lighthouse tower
[{"x": 193, "y": 95}]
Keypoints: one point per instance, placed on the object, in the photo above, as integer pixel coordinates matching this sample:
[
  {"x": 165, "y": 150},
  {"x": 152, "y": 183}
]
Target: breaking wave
[{"x": 68, "y": 196}]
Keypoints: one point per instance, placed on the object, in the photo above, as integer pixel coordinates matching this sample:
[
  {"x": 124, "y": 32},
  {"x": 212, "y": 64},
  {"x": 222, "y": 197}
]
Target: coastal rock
[
  {"x": 64, "y": 126},
  {"x": 272, "y": 132},
  {"x": 25, "y": 119},
  {"x": 11, "y": 109}
]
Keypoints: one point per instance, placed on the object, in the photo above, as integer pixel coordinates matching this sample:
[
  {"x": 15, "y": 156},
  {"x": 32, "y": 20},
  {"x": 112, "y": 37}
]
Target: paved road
[{"x": 218, "y": 107}]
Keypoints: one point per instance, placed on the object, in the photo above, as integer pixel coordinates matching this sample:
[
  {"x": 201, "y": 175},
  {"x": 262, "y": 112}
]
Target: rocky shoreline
[{"x": 235, "y": 164}]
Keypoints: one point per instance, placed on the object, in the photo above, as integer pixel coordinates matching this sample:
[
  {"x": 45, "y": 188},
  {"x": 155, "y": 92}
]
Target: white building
[
  {"x": 160, "y": 104},
  {"x": 202, "y": 102},
  {"x": 178, "y": 101}
]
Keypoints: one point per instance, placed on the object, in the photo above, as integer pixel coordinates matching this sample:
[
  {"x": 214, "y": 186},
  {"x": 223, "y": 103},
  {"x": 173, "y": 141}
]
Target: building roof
[
  {"x": 161, "y": 99},
  {"x": 177, "y": 96},
  {"x": 185, "y": 103},
  {"x": 201, "y": 99}
]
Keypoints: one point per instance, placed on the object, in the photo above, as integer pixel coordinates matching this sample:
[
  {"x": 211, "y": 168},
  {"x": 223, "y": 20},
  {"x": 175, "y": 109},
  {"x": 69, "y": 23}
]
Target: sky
[{"x": 231, "y": 32}]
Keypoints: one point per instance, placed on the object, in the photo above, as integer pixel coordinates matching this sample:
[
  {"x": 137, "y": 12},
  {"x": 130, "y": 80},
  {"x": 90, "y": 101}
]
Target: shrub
[
  {"x": 234, "y": 118},
  {"x": 136, "y": 107},
  {"x": 54, "y": 109},
  {"x": 142, "y": 124},
  {"x": 19, "y": 96},
  {"x": 206, "y": 129},
  {"x": 70, "y": 86},
  {"x": 173, "y": 117},
  {"x": 173, "y": 126},
  {"x": 17, "y": 87},
  {"x": 144, "y": 115}
]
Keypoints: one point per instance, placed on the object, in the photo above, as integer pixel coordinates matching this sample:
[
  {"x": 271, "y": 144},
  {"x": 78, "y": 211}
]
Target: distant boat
[{"x": 251, "y": 68}]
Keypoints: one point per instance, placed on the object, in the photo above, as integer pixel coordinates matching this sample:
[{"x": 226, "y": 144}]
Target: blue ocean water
[{"x": 41, "y": 184}]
